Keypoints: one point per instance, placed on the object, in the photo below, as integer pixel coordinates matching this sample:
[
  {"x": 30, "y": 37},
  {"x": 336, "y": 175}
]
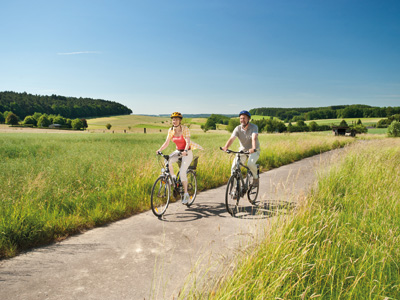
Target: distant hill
[
  {"x": 329, "y": 112},
  {"x": 23, "y": 104}
]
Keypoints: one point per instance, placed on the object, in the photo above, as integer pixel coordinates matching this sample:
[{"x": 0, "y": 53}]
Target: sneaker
[
  {"x": 234, "y": 196},
  {"x": 255, "y": 182},
  {"x": 185, "y": 199}
]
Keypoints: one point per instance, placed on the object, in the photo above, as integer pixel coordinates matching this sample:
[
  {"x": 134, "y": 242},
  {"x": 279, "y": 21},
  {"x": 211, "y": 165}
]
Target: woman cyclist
[{"x": 180, "y": 135}]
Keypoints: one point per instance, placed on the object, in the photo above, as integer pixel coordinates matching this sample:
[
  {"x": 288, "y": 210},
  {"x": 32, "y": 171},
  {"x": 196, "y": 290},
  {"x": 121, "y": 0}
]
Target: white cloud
[{"x": 79, "y": 52}]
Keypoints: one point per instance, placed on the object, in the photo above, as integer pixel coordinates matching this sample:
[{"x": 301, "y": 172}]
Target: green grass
[
  {"x": 54, "y": 185},
  {"x": 377, "y": 131},
  {"x": 343, "y": 243},
  {"x": 349, "y": 121},
  {"x": 136, "y": 123}
]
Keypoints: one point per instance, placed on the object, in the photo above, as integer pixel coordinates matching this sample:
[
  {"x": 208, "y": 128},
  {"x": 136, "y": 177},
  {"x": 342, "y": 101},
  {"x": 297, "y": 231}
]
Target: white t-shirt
[{"x": 245, "y": 136}]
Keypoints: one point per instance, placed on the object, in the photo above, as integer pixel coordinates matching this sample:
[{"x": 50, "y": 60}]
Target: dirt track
[{"x": 145, "y": 258}]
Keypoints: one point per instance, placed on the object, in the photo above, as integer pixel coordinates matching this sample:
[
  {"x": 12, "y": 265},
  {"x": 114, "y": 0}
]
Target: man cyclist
[{"x": 248, "y": 138}]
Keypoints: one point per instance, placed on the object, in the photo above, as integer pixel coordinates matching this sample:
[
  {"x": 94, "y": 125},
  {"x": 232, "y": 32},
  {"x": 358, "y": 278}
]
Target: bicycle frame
[
  {"x": 175, "y": 184},
  {"x": 238, "y": 172}
]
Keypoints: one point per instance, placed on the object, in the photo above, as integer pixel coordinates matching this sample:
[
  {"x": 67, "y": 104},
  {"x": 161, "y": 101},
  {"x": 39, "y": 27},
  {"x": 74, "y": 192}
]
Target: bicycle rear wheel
[
  {"x": 232, "y": 195},
  {"x": 160, "y": 196},
  {"x": 192, "y": 186},
  {"x": 252, "y": 193}
]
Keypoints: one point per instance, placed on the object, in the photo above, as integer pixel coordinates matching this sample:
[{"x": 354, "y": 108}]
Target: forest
[
  {"x": 330, "y": 112},
  {"x": 24, "y": 104}
]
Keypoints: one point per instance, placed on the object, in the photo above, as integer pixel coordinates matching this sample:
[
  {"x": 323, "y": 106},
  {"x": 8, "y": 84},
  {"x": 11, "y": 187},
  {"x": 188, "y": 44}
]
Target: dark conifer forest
[{"x": 24, "y": 104}]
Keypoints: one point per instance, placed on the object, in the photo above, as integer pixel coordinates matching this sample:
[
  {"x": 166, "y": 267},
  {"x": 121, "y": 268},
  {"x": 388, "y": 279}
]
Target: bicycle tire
[
  {"x": 252, "y": 193},
  {"x": 232, "y": 195},
  {"x": 160, "y": 196},
  {"x": 192, "y": 186}
]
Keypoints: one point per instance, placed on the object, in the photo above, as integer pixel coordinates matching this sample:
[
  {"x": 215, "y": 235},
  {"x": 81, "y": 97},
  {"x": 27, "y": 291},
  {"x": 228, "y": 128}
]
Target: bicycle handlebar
[
  {"x": 236, "y": 152},
  {"x": 168, "y": 156}
]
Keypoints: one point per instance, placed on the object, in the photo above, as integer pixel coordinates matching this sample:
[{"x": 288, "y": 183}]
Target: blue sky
[{"x": 204, "y": 56}]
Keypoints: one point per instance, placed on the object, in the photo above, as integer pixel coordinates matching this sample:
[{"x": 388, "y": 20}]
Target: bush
[
  {"x": 313, "y": 126},
  {"x": 43, "y": 121},
  {"x": 360, "y": 129},
  {"x": 37, "y": 116},
  {"x": 108, "y": 126},
  {"x": 85, "y": 124},
  {"x": 12, "y": 119},
  {"x": 59, "y": 120},
  {"x": 68, "y": 123},
  {"x": 232, "y": 124},
  {"x": 394, "y": 129},
  {"x": 2, "y": 119},
  {"x": 77, "y": 124},
  {"x": 274, "y": 125},
  {"x": 29, "y": 120}
]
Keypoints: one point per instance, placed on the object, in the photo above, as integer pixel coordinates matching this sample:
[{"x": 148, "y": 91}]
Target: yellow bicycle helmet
[{"x": 176, "y": 115}]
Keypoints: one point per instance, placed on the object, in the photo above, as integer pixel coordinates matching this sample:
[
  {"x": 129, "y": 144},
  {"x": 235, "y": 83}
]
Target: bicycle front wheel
[
  {"x": 252, "y": 193},
  {"x": 160, "y": 196},
  {"x": 232, "y": 195},
  {"x": 192, "y": 186}
]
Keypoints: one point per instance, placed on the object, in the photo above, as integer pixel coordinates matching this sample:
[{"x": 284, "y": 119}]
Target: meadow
[
  {"x": 136, "y": 123},
  {"x": 55, "y": 185},
  {"x": 342, "y": 243}
]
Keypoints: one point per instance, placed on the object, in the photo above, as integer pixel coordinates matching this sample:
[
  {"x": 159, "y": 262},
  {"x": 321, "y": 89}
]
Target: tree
[
  {"x": 59, "y": 120},
  {"x": 343, "y": 123},
  {"x": 313, "y": 126},
  {"x": 68, "y": 123},
  {"x": 232, "y": 124},
  {"x": 37, "y": 116},
  {"x": 204, "y": 127},
  {"x": 2, "y": 120},
  {"x": 274, "y": 125},
  {"x": 210, "y": 124},
  {"x": 108, "y": 126},
  {"x": 394, "y": 129},
  {"x": 43, "y": 121},
  {"x": 77, "y": 124},
  {"x": 12, "y": 119},
  {"x": 85, "y": 124},
  {"x": 29, "y": 120}
]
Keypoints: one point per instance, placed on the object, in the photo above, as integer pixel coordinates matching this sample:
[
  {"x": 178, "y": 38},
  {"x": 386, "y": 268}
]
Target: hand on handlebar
[
  {"x": 225, "y": 149},
  {"x": 252, "y": 150},
  {"x": 240, "y": 152}
]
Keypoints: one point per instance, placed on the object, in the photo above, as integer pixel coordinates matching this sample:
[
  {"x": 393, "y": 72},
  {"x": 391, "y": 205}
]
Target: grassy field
[
  {"x": 54, "y": 185},
  {"x": 136, "y": 123},
  {"x": 365, "y": 121},
  {"x": 343, "y": 242}
]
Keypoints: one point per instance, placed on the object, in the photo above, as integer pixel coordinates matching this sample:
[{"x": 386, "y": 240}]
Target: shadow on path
[{"x": 260, "y": 210}]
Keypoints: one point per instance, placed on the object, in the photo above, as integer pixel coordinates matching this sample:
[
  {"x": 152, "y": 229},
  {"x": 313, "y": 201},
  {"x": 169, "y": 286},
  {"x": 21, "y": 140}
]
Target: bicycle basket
[{"x": 193, "y": 165}]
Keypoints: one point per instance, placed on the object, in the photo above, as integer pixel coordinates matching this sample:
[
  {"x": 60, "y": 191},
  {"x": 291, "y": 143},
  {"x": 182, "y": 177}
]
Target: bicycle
[
  {"x": 238, "y": 186},
  {"x": 161, "y": 191}
]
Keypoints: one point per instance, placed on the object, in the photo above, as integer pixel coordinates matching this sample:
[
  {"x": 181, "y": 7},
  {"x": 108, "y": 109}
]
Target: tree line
[
  {"x": 43, "y": 121},
  {"x": 330, "y": 112},
  {"x": 271, "y": 125},
  {"x": 24, "y": 104}
]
